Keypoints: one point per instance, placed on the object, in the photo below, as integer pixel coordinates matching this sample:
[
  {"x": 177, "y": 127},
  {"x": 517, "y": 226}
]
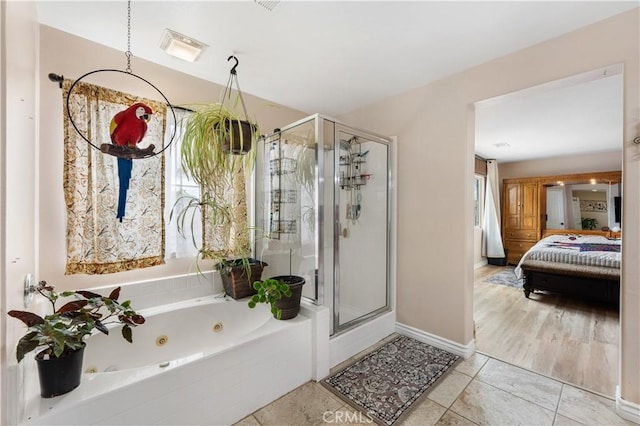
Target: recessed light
[{"x": 181, "y": 46}]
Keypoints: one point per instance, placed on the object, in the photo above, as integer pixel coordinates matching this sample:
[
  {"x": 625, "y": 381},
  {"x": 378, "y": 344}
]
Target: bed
[{"x": 585, "y": 266}]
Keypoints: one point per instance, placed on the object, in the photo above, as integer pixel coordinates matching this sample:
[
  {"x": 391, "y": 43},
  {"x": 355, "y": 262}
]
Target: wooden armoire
[{"x": 520, "y": 219}]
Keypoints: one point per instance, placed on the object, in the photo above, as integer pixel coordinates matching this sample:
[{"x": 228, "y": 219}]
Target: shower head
[{"x": 346, "y": 145}]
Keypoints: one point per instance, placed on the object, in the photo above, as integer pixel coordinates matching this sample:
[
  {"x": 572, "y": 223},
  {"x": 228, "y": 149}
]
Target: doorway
[{"x": 545, "y": 335}]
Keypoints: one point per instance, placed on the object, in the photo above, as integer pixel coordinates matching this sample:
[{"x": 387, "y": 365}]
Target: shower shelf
[
  {"x": 282, "y": 166},
  {"x": 281, "y": 226},
  {"x": 348, "y": 182}
]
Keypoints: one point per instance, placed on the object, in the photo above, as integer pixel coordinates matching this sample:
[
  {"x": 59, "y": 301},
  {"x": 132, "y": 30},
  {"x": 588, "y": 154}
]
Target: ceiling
[
  {"x": 329, "y": 57},
  {"x": 580, "y": 114}
]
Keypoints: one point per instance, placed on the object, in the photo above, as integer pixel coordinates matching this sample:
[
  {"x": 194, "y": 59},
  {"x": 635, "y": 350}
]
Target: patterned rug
[
  {"x": 385, "y": 383},
  {"x": 506, "y": 277}
]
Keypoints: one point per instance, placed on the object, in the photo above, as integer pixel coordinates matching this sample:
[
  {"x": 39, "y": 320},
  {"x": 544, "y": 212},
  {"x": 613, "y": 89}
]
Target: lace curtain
[{"x": 97, "y": 242}]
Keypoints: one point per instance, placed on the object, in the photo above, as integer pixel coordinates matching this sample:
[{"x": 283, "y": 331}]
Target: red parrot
[{"x": 127, "y": 129}]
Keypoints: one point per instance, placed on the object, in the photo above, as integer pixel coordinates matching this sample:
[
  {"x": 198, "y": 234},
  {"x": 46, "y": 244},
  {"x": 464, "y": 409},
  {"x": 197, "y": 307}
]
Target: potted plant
[
  {"x": 589, "y": 223},
  {"x": 211, "y": 133},
  {"x": 282, "y": 292},
  {"x": 61, "y": 334},
  {"x": 237, "y": 275},
  {"x": 237, "y": 269}
]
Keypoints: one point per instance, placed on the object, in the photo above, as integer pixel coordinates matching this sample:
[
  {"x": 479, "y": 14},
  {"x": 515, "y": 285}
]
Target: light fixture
[
  {"x": 181, "y": 46},
  {"x": 593, "y": 181}
]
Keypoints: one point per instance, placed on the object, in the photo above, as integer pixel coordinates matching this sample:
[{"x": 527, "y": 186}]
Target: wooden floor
[{"x": 564, "y": 338}]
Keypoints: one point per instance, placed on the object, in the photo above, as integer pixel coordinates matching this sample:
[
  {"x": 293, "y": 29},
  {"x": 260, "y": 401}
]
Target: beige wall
[
  {"x": 65, "y": 54},
  {"x": 19, "y": 164},
  {"x": 434, "y": 126},
  {"x": 599, "y": 162}
]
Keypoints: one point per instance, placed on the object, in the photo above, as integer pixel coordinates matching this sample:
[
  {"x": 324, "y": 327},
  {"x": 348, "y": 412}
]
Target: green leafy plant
[
  {"x": 205, "y": 146},
  {"x": 207, "y": 159},
  {"x": 589, "y": 223},
  {"x": 187, "y": 208},
  {"x": 270, "y": 291},
  {"x": 64, "y": 330}
]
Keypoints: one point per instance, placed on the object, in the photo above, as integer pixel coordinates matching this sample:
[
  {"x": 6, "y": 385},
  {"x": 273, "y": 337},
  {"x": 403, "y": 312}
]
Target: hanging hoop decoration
[
  {"x": 125, "y": 141},
  {"x": 116, "y": 150}
]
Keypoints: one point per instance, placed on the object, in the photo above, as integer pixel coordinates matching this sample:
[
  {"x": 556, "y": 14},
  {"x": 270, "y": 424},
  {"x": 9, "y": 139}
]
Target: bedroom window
[{"x": 478, "y": 197}]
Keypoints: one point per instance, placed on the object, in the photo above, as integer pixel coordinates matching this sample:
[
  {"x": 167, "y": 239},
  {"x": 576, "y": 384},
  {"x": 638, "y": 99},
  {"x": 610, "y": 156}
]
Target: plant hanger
[
  {"x": 238, "y": 134},
  {"x": 129, "y": 152},
  {"x": 233, "y": 78}
]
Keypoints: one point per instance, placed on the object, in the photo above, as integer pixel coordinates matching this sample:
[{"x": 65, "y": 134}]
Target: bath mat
[
  {"x": 385, "y": 383},
  {"x": 505, "y": 277}
]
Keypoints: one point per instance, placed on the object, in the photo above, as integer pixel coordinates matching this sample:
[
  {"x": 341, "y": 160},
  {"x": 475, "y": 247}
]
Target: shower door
[{"x": 361, "y": 218}]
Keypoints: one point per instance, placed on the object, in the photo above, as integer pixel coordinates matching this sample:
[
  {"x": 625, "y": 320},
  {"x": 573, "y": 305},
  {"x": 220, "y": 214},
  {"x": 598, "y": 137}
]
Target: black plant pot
[
  {"x": 290, "y": 306},
  {"x": 59, "y": 375},
  {"x": 240, "y": 139}
]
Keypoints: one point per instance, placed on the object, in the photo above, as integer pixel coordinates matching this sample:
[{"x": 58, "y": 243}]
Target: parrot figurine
[{"x": 127, "y": 129}]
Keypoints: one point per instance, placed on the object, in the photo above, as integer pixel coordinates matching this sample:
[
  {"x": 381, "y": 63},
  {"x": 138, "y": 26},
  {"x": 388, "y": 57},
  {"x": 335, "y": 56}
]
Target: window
[
  {"x": 478, "y": 199},
  {"x": 177, "y": 185}
]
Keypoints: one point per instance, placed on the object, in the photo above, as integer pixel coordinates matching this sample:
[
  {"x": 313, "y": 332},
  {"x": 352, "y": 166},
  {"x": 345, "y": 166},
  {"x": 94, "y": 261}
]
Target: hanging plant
[
  {"x": 209, "y": 133},
  {"x": 214, "y": 135}
]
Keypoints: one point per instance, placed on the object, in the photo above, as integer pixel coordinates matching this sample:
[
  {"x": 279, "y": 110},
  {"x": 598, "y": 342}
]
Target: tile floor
[{"x": 478, "y": 391}]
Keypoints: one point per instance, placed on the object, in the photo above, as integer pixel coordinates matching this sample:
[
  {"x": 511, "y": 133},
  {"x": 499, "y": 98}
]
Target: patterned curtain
[
  {"x": 97, "y": 242},
  {"x": 227, "y": 237}
]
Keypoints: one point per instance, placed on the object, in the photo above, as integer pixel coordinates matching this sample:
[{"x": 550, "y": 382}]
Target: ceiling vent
[
  {"x": 269, "y": 5},
  {"x": 501, "y": 145}
]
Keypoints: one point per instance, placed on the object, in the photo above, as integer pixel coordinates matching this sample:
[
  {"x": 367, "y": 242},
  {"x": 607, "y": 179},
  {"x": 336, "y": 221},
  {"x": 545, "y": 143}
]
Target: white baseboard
[
  {"x": 481, "y": 263},
  {"x": 465, "y": 351},
  {"x": 627, "y": 410}
]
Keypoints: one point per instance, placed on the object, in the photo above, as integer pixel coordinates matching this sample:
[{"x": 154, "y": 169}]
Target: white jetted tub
[{"x": 205, "y": 361}]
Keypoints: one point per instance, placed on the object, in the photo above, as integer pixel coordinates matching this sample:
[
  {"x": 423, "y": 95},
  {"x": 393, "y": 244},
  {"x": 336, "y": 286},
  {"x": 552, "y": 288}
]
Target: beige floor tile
[
  {"x": 472, "y": 365},
  {"x": 452, "y": 419},
  {"x": 449, "y": 388},
  {"x": 485, "y": 404},
  {"x": 565, "y": 421},
  {"x": 426, "y": 413},
  {"x": 533, "y": 387},
  {"x": 247, "y": 421},
  {"x": 305, "y": 405},
  {"x": 588, "y": 408}
]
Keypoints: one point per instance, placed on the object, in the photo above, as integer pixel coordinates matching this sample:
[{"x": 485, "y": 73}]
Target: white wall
[
  {"x": 20, "y": 168},
  {"x": 434, "y": 125}
]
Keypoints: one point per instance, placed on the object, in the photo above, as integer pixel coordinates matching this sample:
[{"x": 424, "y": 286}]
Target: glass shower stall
[{"x": 323, "y": 212}]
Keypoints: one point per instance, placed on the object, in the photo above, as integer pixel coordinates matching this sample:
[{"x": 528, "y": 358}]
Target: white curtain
[{"x": 491, "y": 235}]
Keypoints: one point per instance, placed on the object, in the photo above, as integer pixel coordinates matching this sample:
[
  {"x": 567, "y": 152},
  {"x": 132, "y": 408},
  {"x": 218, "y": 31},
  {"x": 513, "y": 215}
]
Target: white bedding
[{"x": 566, "y": 249}]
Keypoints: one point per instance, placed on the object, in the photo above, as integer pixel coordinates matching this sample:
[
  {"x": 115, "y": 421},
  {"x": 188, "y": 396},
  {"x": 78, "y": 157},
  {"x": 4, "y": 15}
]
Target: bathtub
[{"x": 209, "y": 361}]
